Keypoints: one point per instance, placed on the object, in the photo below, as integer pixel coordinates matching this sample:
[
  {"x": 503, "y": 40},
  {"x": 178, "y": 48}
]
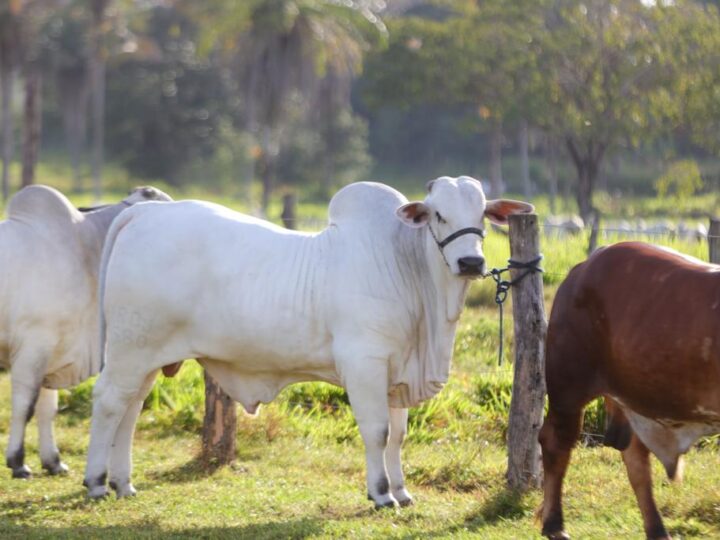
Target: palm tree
[
  {"x": 65, "y": 51},
  {"x": 96, "y": 68},
  {"x": 291, "y": 49},
  {"x": 34, "y": 16},
  {"x": 9, "y": 55}
]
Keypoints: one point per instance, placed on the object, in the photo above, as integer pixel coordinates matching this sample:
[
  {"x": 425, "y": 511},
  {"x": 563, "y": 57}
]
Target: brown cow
[{"x": 639, "y": 324}]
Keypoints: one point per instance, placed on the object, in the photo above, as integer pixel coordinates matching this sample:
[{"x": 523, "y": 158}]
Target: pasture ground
[{"x": 300, "y": 471}]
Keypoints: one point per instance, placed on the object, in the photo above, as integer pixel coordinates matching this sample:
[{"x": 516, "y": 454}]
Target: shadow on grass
[
  {"x": 199, "y": 469},
  {"x": 505, "y": 505},
  {"x": 76, "y": 500},
  {"x": 705, "y": 511},
  {"x": 190, "y": 471},
  {"x": 297, "y": 529}
]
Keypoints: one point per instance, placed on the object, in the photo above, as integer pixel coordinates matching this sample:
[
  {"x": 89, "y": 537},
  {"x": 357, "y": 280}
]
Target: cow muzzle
[{"x": 471, "y": 266}]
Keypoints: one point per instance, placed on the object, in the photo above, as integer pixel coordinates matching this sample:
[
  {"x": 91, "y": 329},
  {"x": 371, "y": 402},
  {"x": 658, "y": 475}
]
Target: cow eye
[{"x": 440, "y": 218}]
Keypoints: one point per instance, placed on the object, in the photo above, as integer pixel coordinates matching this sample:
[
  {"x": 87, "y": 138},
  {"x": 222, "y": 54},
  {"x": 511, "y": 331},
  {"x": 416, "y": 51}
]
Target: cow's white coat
[{"x": 369, "y": 304}]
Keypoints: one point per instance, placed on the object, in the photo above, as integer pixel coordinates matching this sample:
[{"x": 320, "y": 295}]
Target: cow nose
[{"x": 471, "y": 266}]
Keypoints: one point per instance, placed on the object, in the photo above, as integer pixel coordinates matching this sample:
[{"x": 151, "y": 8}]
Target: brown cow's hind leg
[
  {"x": 637, "y": 463},
  {"x": 557, "y": 438}
]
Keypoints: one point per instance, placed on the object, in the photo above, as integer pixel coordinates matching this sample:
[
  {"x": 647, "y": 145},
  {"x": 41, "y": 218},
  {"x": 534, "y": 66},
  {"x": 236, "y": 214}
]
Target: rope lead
[{"x": 503, "y": 286}]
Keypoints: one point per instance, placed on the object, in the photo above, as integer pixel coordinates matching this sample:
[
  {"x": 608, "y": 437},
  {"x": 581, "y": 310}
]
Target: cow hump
[
  {"x": 42, "y": 202},
  {"x": 365, "y": 202}
]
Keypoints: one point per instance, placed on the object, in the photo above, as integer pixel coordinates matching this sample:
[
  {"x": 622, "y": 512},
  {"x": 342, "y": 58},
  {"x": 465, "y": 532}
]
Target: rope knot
[{"x": 503, "y": 286}]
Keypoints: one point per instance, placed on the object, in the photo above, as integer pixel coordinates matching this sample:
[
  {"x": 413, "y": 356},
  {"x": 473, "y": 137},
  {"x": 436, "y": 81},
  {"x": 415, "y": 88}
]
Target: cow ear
[
  {"x": 414, "y": 214},
  {"x": 498, "y": 210}
]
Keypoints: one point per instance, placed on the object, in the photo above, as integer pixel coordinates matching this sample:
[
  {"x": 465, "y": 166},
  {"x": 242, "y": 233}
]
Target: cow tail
[{"x": 117, "y": 225}]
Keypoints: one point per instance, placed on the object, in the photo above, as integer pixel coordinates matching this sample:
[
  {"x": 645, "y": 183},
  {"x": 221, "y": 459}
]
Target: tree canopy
[{"x": 321, "y": 92}]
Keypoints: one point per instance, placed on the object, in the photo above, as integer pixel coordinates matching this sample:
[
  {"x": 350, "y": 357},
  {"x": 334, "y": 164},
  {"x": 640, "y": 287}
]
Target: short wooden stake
[{"x": 219, "y": 425}]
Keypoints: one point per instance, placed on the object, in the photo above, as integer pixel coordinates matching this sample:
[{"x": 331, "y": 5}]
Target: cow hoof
[
  {"x": 403, "y": 497},
  {"x": 387, "y": 501},
  {"x": 23, "y": 472},
  {"x": 97, "y": 492},
  {"x": 56, "y": 468},
  {"x": 406, "y": 502},
  {"x": 125, "y": 489}
]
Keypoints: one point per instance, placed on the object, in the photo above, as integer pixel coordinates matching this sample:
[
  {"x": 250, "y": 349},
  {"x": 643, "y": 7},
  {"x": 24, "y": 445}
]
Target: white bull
[
  {"x": 370, "y": 303},
  {"x": 49, "y": 262}
]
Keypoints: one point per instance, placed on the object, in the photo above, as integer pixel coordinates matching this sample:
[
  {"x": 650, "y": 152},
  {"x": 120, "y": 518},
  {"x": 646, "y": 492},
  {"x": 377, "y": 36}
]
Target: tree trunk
[
  {"x": 328, "y": 171},
  {"x": 496, "y": 181},
  {"x": 98, "y": 109},
  {"x": 525, "y": 159},
  {"x": 584, "y": 193},
  {"x": 602, "y": 181},
  {"x": 219, "y": 425},
  {"x": 587, "y": 165},
  {"x": 78, "y": 136},
  {"x": 267, "y": 183},
  {"x": 594, "y": 224},
  {"x": 73, "y": 86},
  {"x": 32, "y": 124},
  {"x": 270, "y": 152},
  {"x": 7, "y": 76},
  {"x": 249, "y": 174},
  {"x": 552, "y": 166},
  {"x": 97, "y": 92}
]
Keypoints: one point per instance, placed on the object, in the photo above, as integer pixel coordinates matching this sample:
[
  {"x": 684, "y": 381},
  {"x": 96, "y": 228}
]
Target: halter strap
[
  {"x": 454, "y": 236},
  {"x": 458, "y": 234}
]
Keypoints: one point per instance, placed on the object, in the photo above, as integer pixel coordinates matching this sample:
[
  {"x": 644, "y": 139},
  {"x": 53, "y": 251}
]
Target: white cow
[
  {"x": 370, "y": 303},
  {"x": 49, "y": 262}
]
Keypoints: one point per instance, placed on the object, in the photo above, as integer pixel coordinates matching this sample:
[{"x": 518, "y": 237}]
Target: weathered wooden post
[
  {"x": 714, "y": 240},
  {"x": 219, "y": 425},
  {"x": 528, "y": 396},
  {"x": 288, "y": 211}
]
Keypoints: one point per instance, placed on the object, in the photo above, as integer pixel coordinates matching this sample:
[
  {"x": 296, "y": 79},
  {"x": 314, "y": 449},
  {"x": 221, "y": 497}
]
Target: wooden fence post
[
  {"x": 530, "y": 324},
  {"x": 288, "y": 211},
  {"x": 219, "y": 425},
  {"x": 714, "y": 240}
]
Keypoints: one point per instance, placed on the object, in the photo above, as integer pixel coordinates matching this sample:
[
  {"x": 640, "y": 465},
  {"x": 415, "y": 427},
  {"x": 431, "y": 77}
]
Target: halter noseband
[
  {"x": 458, "y": 234},
  {"x": 454, "y": 236}
]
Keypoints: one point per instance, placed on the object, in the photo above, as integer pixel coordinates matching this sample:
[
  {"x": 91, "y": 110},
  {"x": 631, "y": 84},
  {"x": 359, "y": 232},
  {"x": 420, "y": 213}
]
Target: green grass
[{"x": 300, "y": 470}]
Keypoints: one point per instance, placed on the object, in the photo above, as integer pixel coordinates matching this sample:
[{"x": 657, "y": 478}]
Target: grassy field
[
  {"x": 300, "y": 466},
  {"x": 300, "y": 470}
]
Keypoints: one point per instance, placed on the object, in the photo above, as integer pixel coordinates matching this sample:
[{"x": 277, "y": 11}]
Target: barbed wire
[
  {"x": 317, "y": 224},
  {"x": 689, "y": 233}
]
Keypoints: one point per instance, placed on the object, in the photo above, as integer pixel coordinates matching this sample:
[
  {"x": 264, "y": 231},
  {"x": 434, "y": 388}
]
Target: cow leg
[
  {"x": 637, "y": 462},
  {"x": 110, "y": 404},
  {"x": 25, "y": 392},
  {"x": 369, "y": 401},
  {"x": 121, "y": 452},
  {"x": 398, "y": 429},
  {"x": 557, "y": 438},
  {"x": 45, "y": 410}
]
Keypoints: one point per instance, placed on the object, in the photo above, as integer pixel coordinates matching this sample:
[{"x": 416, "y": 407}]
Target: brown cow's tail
[{"x": 117, "y": 225}]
